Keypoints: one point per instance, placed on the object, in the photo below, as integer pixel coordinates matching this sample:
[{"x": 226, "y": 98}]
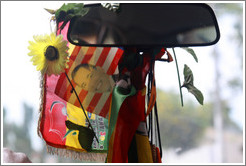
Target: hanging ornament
[{"x": 49, "y": 53}]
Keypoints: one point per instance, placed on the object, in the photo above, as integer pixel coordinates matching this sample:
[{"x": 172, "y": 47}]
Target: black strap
[{"x": 153, "y": 120}]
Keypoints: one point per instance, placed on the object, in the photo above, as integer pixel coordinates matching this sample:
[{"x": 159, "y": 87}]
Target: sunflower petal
[{"x": 37, "y": 52}]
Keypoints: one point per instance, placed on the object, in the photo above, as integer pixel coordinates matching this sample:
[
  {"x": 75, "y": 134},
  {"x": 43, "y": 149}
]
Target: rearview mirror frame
[{"x": 166, "y": 44}]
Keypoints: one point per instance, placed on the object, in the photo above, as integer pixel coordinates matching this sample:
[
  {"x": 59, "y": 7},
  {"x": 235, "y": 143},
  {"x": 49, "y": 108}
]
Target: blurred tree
[
  {"x": 183, "y": 128},
  {"x": 234, "y": 10},
  {"x": 17, "y": 137},
  {"x": 5, "y": 128},
  {"x": 235, "y": 83}
]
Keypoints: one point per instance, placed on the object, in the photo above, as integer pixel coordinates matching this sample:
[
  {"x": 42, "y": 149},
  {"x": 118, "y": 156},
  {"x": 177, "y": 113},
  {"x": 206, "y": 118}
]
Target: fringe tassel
[
  {"x": 83, "y": 156},
  {"x": 42, "y": 84}
]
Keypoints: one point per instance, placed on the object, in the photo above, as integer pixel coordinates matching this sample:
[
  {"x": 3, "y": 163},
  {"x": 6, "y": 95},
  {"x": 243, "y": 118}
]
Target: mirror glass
[{"x": 146, "y": 24}]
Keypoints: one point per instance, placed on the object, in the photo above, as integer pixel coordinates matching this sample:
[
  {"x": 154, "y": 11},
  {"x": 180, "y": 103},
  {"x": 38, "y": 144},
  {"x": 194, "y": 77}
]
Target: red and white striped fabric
[{"x": 105, "y": 57}]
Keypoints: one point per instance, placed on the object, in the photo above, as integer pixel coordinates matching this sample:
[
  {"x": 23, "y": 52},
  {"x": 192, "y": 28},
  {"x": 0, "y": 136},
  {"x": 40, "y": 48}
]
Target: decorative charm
[
  {"x": 111, "y": 6},
  {"x": 68, "y": 11},
  {"x": 49, "y": 53}
]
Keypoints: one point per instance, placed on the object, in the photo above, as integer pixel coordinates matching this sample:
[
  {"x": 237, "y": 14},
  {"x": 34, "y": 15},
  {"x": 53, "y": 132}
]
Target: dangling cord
[
  {"x": 149, "y": 93},
  {"x": 148, "y": 97},
  {"x": 151, "y": 127},
  {"x": 158, "y": 128},
  {"x": 150, "y": 77},
  {"x": 81, "y": 107},
  {"x": 157, "y": 122},
  {"x": 151, "y": 113},
  {"x": 180, "y": 91}
]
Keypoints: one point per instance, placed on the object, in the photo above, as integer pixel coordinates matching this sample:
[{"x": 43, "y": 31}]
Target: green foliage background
[{"x": 184, "y": 127}]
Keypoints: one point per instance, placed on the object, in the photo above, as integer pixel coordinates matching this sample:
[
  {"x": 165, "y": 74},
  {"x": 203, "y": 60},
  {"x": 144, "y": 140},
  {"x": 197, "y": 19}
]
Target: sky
[{"x": 20, "y": 81}]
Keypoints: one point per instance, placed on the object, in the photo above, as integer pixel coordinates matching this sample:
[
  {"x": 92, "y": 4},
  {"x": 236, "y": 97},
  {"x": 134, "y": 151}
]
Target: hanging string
[
  {"x": 150, "y": 88},
  {"x": 82, "y": 107},
  {"x": 158, "y": 128},
  {"x": 148, "y": 95},
  {"x": 153, "y": 116},
  {"x": 155, "y": 121}
]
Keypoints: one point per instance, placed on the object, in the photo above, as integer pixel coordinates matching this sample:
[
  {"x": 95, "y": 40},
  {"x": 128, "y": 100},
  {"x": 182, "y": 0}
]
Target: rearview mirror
[{"x": 146, "y": 24}]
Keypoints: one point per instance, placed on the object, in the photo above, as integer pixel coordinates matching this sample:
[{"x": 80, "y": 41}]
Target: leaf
[
  {"x": 70, "y": 10},
  {"x": 188, "y": 75},
  {"x": 197, "y": 93},
  {"x": 192, "y": 52},
  {"x": 51, "y": 11},
  {"x": 188, "y": 83}
]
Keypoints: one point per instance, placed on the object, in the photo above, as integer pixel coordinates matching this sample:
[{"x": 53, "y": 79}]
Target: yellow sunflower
[{"x": 49, "y": 53}]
